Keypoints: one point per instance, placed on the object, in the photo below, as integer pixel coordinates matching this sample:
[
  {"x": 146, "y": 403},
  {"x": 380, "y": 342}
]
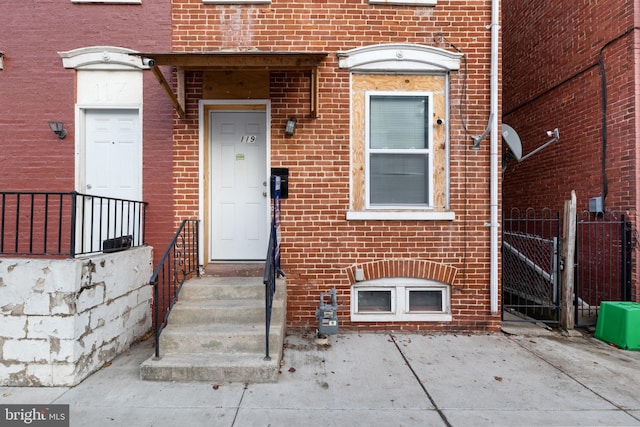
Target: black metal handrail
[
  {"x": 56, "y": 224},
  {"x": 272, "y": 268},
  {"x": 179, "y": 262}
]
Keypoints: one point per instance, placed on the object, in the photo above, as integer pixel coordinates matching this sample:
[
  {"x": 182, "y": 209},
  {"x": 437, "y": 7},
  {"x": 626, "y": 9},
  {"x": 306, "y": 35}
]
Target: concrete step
[
  {"x": 219, "y": 368},
  {"x": 223, "y": 288},
  {"x": 216, "y": 332},
  {"x": 249, "y": 311},
  {"x": 221, "y": 338}
]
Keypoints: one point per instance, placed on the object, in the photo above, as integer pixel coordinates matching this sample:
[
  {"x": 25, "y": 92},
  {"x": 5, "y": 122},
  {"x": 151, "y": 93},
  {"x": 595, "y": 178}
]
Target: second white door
[{"x": 113, "y": 169}]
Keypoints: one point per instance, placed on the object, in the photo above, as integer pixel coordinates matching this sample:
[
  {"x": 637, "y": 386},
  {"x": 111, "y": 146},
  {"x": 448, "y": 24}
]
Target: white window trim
[
  {"x": 108, "y": 1},
  {"x": 236, "y": 1},
  {"x": 398, "y": 216},
  {"x": 406, "y": 2},
  {"x": 399, "y": 288},
  {"x": 369, "y": 150},
  {"x": 399, "y": 57}
]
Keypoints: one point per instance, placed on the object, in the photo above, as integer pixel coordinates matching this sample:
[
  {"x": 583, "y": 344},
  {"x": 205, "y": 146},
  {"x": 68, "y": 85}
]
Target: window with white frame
[
  {"x": 400, "y": 299},
  {"x": 398, "y": 150},
  {"x": 400, "y": 165},
  {"x": 236, "y": 1},
  {"x": 108, "y": 1},
  {"x": 406, "y": 2}
]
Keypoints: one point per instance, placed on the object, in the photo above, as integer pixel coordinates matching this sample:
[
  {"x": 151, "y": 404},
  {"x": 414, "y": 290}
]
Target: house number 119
[{"x": 247, "y": 139}]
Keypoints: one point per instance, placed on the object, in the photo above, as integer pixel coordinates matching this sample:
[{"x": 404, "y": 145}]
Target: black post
[
  {"x": 627, "y": 260},
  {"x": 155, "y": 318},
  {"x": 72, "y": 243}
]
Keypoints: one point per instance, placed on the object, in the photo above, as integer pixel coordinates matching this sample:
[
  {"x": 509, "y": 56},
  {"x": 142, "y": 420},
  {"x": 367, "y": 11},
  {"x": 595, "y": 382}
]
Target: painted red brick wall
[
  {"x": 318, "y": 245},
  {"x": 552, "y": 78},
  {"x": 35, "y": 88}
]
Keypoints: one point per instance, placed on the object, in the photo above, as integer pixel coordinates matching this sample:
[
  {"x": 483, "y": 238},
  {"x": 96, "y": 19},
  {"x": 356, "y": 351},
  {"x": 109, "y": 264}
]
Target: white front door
[
  {"x": 113, "y": 168},
  {"x": 239, "y": 191}
]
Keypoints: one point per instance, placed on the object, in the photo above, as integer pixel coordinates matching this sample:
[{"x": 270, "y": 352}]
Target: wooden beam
[
  {"x": 314, "y": 92},
  {"x": 239, "y": 60},
  {"x": 172, "y": 96},
  {"x": 567, "y": 310},
  {"x": 181, "y": 95}
]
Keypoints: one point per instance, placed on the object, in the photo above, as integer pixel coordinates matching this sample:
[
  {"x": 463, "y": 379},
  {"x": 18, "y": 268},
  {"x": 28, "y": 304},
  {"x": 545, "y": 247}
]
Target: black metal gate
[
  {"x": 531, "y": 266},
  {"x": 603, "y": 263}
]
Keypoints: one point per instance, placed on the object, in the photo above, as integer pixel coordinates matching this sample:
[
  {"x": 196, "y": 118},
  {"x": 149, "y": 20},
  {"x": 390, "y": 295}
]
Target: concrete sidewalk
[{"x": 527, "y": 376}]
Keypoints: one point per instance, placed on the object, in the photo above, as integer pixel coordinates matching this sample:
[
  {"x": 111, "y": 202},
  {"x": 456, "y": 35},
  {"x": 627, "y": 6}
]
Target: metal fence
[
  {"x": 178, "y": 263},
  {"x": 531, "y": 266},
  {"x": 603, "y": 264},
  {"x": 68, "y": 224},
  {"x": 532, "y": 263}
]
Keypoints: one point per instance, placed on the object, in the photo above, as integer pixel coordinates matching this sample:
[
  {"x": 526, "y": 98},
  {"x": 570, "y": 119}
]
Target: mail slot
[
  {"x": 283, "y": 173},
  {"x": 117, "y": 244}
]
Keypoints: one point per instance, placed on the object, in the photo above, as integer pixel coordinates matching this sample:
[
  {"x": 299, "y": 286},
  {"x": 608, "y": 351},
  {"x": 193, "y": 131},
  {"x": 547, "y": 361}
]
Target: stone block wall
[{"x": 61, "y": 320}]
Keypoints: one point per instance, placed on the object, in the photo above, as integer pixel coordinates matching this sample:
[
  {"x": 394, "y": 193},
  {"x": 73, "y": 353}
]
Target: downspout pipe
[{"x": 493, "y": 118}]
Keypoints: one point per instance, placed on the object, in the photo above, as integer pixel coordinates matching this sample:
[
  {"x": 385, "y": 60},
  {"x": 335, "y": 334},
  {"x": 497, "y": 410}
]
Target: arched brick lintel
[{"x": 421, "y": 269}]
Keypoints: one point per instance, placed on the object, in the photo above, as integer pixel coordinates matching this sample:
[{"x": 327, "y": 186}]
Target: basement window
[
  {"x": 375, "y": 301},
  {"x": 400, "y": 299}
]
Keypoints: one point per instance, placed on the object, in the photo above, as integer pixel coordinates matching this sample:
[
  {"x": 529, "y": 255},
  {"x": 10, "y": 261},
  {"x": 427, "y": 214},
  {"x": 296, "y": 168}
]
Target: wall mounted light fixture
[
  {"x": 58, "y": 129},
  {"x": 290, "y": 128},
  {"x": 1, "y": 63}
]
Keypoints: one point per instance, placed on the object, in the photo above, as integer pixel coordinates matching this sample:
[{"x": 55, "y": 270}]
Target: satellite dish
[{"x": 513, "y": 141}]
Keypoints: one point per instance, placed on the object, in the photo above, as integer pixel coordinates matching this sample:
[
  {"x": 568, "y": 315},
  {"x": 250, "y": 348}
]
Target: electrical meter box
[{"x": 327, "y": 314}]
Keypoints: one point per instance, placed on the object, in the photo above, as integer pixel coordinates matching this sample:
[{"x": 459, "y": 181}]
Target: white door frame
[{"x": 204, "y": 202}]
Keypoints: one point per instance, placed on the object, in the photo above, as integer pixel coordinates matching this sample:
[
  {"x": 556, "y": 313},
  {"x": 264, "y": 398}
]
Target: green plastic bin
[{"x": 619, "y": 324}]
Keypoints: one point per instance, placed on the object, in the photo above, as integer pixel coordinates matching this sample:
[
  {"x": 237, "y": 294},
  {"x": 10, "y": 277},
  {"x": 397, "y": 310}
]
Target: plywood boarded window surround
[{"x": 401, "y": 68}]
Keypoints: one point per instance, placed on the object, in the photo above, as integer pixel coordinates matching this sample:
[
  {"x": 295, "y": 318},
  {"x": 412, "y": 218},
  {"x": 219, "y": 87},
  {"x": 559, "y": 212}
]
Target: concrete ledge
[{"x": 61, "y": 320}]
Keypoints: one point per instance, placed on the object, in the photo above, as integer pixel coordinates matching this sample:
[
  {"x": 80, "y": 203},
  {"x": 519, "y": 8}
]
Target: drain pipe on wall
[
  {"x": 494, "y": 225},
  {"x": 492, "y": 127}
]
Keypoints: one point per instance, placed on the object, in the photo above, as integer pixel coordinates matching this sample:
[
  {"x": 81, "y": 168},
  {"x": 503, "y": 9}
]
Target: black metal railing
[
  {"x": 68, "y": 224},
  {"x": 603, "y": 263},
  {"x": 179, "y": 262},
  {"x": 272, "y": 268},
  {"x": 531, "y": 260}
]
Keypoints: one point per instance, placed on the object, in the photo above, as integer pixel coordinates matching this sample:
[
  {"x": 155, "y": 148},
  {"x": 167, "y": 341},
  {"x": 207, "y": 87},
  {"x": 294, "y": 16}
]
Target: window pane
[
  {"x": 398, "y": 122},
  {"x": 425, "y": 300},
  {"x": 374, "y": 301},
  {"x": 398, "y": 179}
]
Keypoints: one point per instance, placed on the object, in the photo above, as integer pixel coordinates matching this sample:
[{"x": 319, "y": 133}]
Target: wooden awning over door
[{"x": 223, "y": 60}]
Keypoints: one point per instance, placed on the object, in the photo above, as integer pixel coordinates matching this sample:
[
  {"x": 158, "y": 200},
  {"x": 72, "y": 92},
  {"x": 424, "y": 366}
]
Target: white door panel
[
  {"x": 239, "y": 202},
  {"x": 113, "y": 168}
]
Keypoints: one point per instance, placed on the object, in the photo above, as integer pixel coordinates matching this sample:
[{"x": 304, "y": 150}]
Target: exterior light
[
  {"x": 290, "y": 128},
  {"x": 58, "y": 129}
]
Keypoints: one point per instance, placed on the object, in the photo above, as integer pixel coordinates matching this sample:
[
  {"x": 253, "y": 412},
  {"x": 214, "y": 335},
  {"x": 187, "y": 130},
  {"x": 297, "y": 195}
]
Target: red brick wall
[
  {"x": 552, "y": 78},
  {"x": 318, "y": 244},
  {"x": 35, "y": 88}
]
